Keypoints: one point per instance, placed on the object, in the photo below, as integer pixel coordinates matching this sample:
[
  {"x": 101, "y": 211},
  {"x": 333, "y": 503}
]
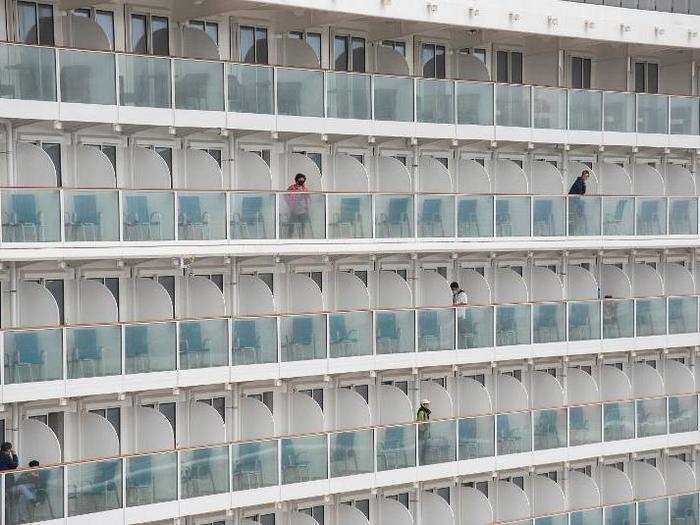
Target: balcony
[{"x": 90, "y": 78}]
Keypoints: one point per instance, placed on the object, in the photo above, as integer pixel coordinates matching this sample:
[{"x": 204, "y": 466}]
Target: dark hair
[
  {"x": 34, "y": 463},
  {"x": 454, "y": 285},
  {"x": 6, "y": 446},
  {"x": 585, "y": 172},
  {"x": 299, "y": 176}
]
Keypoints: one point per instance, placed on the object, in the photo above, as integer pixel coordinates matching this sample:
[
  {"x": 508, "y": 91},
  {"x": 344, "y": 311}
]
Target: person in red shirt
[{"x": 298, "y": 206}]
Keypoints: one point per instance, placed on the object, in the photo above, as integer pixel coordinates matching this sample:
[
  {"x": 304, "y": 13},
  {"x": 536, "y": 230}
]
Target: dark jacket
[
  {"x": 8, "y": 462},
  {"x": 578, "y": 187}
]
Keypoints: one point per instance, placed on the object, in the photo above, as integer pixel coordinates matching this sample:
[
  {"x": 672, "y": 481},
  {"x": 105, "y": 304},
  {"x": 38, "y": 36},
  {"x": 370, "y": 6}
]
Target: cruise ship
[{"x": 229, "y": 233}]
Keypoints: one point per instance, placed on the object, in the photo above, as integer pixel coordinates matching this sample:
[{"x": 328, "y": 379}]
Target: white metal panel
[
  {"x": 583, "y": 492},
  {"x": 679, "y": 181},
  {"x": 99, "y": 438},
  {"x": 38, "y": 441},
  {"x": 614, "y": 384},
  {"x": 96, "y": 304},
  {"x": 646, "y": 381},
  {"x": 511, "y": 395},
  {"x": 547, "y": 392},
  {"x": 546, "y": 495},
  {"x": 391, "y": 62},
  {"x": 546, "y": 179},
  {"x": 392, "y": 512},
  {"x": 192, "y": 42},
  {"x": 37, "y": 306},
  {"x": 510, "y": 287},
  {"x": 679, "y": 475},
  {"x": 253, "y": 173},
  {"x": 205, "y": 426},
  {"x": 435, "y": 290},
  {"x": 203, "y": 172},
  {"x": 201, "y": 297},
  {"x": 34, "y": 166},
  {"x": 476, "y": 286},
  {"x": 581, "y": 387},
  {"x": 511, "y": 502},
  {"x": 510, "y": 178},
  {"x": 392, "y": 176},
  {"x": 94, "y": 169},
  {"x": 648, "y": 180},
  {"x": 394, "y": 406},
  {"x": 351, "y": 292},
  {"x": 647, "y": 481},
  {"x": 86, "y": 33},
  {"x": 149, "y": 170},
  {"x": 647, "y": 282},
  {"x": 614, "y": 179},
  {"x": 476, "y": 507},
  {"x": 472, "y": 177},
  {"x": 350, "y": 174},
  {"x": 546, "y": 285},
  {"x": 394, "y": 291},
  {"x": 154, "y": 430},
  {"x": 440, "y": 400},
  {"x": 616, "y": 283},
  {"x": 581, "y": 284},
  {"x": 474, "y": 398},
  {"x": 259, "y": 422},
  {"x": 678, "y": 378},
  {"x": 351, "y": 409},
  {"x": 349, "y": 515},
  {"x": 434, "y": 509},
  {"x": 434, "y": 176},
  {"x": 254, "y": 296},
  {"x": 678, "y": 279}
]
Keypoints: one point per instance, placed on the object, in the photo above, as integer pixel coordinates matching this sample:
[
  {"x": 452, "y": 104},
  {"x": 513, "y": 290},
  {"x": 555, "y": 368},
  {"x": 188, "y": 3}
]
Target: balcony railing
[
  {"x": 38, "y": 355},
  {"x": 74, "y": 216},
  {"x": 109, "y": 79},
  {"x": 108, "y": 484},
  {"x": 691, "y": 7}
]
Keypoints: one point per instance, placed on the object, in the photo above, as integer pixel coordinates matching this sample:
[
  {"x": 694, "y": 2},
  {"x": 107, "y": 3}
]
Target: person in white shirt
[{"x": 458, "y": 295}]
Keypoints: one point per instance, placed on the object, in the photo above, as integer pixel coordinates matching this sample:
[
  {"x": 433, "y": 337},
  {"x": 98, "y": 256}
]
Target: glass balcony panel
[
  {"x": 299, "y": 92},
  {"x": 512, "y": 216},
  {"x": 27, "y": 73},
  {"x": 393, "y": 98},
  {"x": 561, "y": 519},
  {"x": 682, "y": 315},
  {"x": 513, "y": 325},
  {"x": 199, "y": 85},
  {"x": 549, "y": 428},
  {"x": 513, "y": 105},
  {"x": 250, "y": 89},
  {"x": 352, "y": 453},
  {"x": 87, "y": 77},
  {"x": 682, "y": 414},
  {"x": 476, "y": 437},
  {"x": 31, "y": 216},
  {"x": 475, "y": 216},
  {"x": 149, "y": 347},
  {"x": 304, "y": 459},
  {"x": 548, "y": 216},
  {"x": 395, "y": 332},
  {"x": 584, "y": 425},
  {"x": 435, "y": 101},
  {"x": 350, "y": 216},
  {"x": 254, "y": 465},
  {"x": 683, "y": 216},
  {"x": 350, "y": 334},
  {"x": 474, "y": 327},
  {"x": 585, "y": 110},
  {"x": 201, "y": 216},
  {"x": 549, "y": 323},
  {"x": 396, "y": 447},
  {"x": 149, "y": 216},
  {"x": 584, "y": 215},
  {"x": 620, "y": 515},
  {"x": 584, "y": 320},
  {"x": 436, "y": 216},
  {"x": 34, "y": 496},
  {"x": 514, "y": 433},
  {"x": 144, "y": 82},
  {"x": 151, "y": 479},
  {"x": 618, "y": 216},
  {"x": 203, "y": 344},
  {"x": 655, "y": 512},
  {"x": 348, "y": 95},
  {"x": 651, "y": 316},
  {"x": 651, "y": 216},
  {"x": 91, "y": 216},
  {"x": 303, "y": 337},
  {"x": 549, "y": 107},
  {"x": 436, "y": 442},
  {"x": 619, "y": 112},
  {"x": 252, "y": 216},
  {"x": 652, "y": 113},
  {"x": 204, "y": 472},
  {"x": 254, "y": 341},
  {"x": 618, "y": 319},
  {"x": 94, "y": 487},
  {"x": 685, "y": 116},
  {"x": 34, "y": 355},
  {"x": 684, "y": 509},
  {"x": 587, "y": 517},
  {"x": 393, "y": 216},
  {"x": 618, "y": 422},
  {"x": 651, "y": 417},
  {"x": 475, "y": 103},
  {"x": 94, "y": 351},
  {"x": 436, "y": 330},
  {"x": 302, "y": 215}
]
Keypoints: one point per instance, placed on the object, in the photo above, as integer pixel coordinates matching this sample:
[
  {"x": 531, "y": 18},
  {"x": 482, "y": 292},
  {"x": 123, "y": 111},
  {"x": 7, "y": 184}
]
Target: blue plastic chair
[
  {"x": 467, "y": 219},
  {"x": 504, "y": 224},
  {"x": 396, "y": 216},
  {"x": 431, "y": 218},
  {"x": 388, "y": 332},
  {"x": 543, "y": 217}
]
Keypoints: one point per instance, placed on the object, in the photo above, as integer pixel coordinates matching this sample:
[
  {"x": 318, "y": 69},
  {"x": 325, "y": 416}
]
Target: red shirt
[{"x": 298, "y": 204}]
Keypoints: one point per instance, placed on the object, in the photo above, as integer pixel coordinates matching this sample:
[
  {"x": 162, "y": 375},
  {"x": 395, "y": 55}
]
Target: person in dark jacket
[
  {"x": 579, "y": 185},
  {"x": 8, "y": 457}
]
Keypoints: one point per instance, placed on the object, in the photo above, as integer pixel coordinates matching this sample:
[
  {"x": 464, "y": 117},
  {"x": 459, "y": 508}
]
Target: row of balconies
[
  {"x": 265, "y": 471},
  {"x": 89, "y": 215},
  {"x": 108, "y": 79},
  {"x": 369, "y": 339},
  {"x": 669, "y": 6}
]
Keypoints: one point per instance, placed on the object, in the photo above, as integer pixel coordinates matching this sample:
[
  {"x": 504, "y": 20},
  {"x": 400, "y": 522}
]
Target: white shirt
[{"x": 459, "y": 297}]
